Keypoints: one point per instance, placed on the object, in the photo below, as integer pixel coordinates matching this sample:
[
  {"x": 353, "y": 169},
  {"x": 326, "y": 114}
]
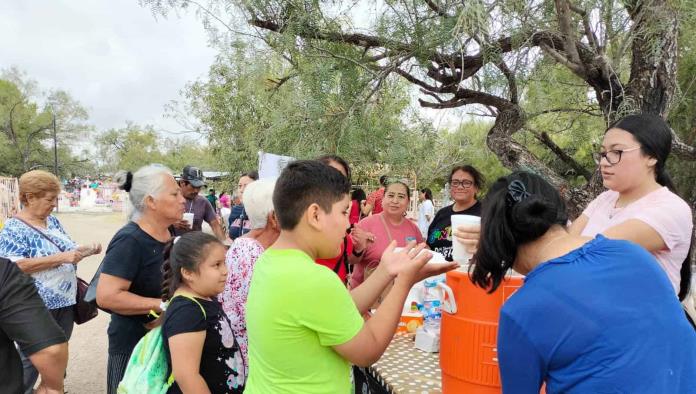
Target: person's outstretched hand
[{"x": 410, "y": 264}]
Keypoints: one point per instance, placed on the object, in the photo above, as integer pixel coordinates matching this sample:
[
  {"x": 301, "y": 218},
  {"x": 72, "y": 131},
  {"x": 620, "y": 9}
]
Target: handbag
[{"x": 84, "y": 310}]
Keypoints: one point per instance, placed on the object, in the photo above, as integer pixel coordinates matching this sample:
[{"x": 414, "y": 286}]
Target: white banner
[{"x": 271, "y": 165}]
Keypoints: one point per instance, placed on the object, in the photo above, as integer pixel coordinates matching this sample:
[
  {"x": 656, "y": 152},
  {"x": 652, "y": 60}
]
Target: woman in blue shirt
[{"x": 594, "y": 315}]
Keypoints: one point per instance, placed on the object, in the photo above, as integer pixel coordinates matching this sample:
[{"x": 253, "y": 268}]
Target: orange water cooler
[{"x": 468, "y": 354}]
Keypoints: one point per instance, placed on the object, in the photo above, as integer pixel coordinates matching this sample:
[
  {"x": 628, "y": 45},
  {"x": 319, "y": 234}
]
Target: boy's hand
[{"x": 395, "y": 262}]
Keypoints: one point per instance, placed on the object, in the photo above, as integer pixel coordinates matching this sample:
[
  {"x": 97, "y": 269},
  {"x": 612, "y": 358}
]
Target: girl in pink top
[
  {"x": 390, "y": 224},
  {"x": 640, "y": 205}
]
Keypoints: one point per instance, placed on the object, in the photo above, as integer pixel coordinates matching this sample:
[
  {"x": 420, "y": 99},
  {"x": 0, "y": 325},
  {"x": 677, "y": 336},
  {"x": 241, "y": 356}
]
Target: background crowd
[{"x": 616, "y": 280}]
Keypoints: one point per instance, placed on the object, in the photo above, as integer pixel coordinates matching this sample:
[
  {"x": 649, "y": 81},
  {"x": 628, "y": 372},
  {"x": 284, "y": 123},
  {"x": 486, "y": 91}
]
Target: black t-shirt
[
  {"x": 23, "y": 319},
  {"x": 222, "y": 366},
  {"x": 440, "y": 230},
  {"x": 135, "y": 256}
]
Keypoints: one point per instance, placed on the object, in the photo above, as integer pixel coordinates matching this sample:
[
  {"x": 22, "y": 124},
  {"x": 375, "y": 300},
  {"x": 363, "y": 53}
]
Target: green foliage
[
  {"x": 134, "y": 146},
  {"x": 26, "y": 128}
]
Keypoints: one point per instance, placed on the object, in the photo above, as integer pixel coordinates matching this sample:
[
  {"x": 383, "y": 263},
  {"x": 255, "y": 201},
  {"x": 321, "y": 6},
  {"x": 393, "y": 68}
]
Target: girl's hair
[
  {"x": 519, "y": 208},
  {"x": 655, "y": 139},
  {"x": 327, "y": 159},
  {"x": 147, "y": 181},
  {"x": 428, "y": 193},
  {"x": 258, "y": 202},
  {"x": 479, "y": 179},
  {"x": 183, "y": 252},
  {"x": 358, "y": 194}
]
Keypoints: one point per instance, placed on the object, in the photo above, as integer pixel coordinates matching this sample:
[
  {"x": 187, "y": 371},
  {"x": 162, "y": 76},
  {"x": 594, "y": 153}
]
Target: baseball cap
[{"x": 193, "y": 175}]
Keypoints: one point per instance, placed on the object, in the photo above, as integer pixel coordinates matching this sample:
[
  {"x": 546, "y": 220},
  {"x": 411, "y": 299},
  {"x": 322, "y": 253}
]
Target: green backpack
[{"x": 147, "y": 368}]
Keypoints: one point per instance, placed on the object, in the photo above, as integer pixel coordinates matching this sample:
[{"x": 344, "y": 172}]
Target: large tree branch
[
  {"x": 433, "y": 6},
  {"x": 591, "y": 37},
  {"x": 565, "y": 24},
  {"x": 681, "y": 149},
  {"x": 587, "y": 111},
  {"x": 545, "y": 139}
]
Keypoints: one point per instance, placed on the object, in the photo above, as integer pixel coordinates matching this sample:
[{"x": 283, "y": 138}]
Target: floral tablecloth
[{"x": 403, "y": 369}]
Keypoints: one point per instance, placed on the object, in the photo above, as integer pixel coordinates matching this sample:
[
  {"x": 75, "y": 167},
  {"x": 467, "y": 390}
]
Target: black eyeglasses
[
  {"x": 612, "y": 156},
  {"x": 465, "y": 184}
]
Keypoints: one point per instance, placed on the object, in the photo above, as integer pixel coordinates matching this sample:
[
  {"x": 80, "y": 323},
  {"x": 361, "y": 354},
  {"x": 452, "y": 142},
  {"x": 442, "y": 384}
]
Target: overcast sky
[{"x": 112, "y": 56}]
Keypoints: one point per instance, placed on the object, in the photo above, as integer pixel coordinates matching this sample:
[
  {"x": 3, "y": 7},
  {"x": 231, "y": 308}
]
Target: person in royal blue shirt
[{"x": 594, "y": 315}]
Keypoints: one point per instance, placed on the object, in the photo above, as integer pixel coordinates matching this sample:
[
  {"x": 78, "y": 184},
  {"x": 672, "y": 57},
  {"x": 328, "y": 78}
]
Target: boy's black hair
[{"x": 303, "y": 183}]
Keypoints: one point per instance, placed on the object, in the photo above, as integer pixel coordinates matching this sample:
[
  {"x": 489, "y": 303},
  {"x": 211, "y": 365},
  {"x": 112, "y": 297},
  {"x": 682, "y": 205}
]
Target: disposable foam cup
[{"x": 459, "y": 253}]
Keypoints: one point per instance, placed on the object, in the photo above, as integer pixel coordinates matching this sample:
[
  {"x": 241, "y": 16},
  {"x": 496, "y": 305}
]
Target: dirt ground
[{"x": 88, "y": 345}]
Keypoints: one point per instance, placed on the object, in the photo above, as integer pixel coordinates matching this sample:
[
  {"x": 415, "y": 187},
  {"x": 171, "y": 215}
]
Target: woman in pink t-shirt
[
  {"x": 640, "y": 205},
  {"x": 390, "y": 224}
]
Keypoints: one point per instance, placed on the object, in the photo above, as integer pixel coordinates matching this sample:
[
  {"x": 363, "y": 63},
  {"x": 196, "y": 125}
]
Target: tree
[
  {"x": 134, "y": 146},
  {"x": 26, "y": 128},
  {"x": 481, "y": 54}
]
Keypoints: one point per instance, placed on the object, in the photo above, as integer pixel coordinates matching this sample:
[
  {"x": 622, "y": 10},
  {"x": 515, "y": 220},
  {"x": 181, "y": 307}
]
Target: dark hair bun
[
  {"x": 532, "y": 217},
  {"x": 124, "y": 180}
]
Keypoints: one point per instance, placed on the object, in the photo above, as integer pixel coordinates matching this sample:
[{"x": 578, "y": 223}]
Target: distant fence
[{"x": 9, "y": 198}]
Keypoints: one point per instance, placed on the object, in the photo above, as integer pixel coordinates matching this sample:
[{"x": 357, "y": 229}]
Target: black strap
[
  {"x": 344, "y": 257},
  {"x": 40, "y": 232}
]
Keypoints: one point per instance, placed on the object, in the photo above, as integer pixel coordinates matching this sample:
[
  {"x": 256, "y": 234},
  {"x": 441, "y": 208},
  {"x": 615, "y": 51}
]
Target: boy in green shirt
[{"x": 304, "y": 327}]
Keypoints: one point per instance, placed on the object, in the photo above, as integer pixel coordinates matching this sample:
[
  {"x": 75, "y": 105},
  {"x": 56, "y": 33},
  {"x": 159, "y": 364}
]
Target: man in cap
[{"x": 191, "y": 183}]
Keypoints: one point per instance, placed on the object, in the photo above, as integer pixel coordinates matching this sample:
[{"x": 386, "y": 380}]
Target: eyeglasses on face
[
  {"x": 612, "y": 156},
  {"x": 465, "y": 184}
]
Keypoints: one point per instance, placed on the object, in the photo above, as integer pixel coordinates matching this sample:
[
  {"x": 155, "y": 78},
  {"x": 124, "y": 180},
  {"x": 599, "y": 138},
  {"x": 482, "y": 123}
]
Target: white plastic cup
[
  {"x": 188, "y": 217},
  {"x": 459, "y": 253}
]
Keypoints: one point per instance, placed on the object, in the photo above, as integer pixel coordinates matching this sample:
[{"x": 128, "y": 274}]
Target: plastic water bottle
[{"x": 432, "y": 311}]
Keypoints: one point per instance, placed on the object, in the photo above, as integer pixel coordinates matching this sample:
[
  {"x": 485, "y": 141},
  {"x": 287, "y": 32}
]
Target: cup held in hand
[
  {"x": 188, "y": 217},
  {"x": 459, "y": 252}
]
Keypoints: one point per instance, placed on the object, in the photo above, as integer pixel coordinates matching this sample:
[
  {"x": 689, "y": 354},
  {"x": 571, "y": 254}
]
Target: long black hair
[
  {"x": 184, "y": 252},
  {"x": 655, "y": 138},
  {"x": 428, "y": 193},
  {"x": 518, "y": 209}
]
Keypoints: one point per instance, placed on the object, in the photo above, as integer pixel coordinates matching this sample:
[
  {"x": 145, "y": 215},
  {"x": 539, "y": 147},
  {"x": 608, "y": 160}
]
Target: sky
[
  {"x": 114, "y": 57},
  {"x": 118, "y": 60}
]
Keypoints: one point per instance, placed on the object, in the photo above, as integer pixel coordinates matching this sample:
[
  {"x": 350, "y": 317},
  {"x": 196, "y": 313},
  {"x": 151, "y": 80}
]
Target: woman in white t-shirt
[
  {"x": 426, "y": 210},
  {"x": 641, "y": 205}
]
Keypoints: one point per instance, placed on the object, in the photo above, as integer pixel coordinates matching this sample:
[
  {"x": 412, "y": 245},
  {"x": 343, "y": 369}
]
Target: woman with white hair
[
  {"x": 130, "y": 282},
  {"x": 242, "y": 255}
]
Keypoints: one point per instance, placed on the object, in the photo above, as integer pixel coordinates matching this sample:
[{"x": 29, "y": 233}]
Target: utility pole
[
  {"x": 55, "y": 151},
  {"x": 55, "y": 147}
]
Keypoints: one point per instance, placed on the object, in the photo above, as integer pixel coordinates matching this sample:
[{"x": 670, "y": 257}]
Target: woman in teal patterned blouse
[{"x": 38, "y": 244}]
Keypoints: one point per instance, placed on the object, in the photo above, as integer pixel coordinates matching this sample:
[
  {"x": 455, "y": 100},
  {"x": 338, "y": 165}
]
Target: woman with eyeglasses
[
  {"x": 465, "y": 182},
  {"x": 641, "y": 205}
]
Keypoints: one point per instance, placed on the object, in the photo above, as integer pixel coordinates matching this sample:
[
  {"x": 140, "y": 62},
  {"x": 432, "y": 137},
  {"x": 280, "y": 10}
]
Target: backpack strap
[
  {"x": 192, "y": 298},
  {"x": 170, "y": 381}
]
